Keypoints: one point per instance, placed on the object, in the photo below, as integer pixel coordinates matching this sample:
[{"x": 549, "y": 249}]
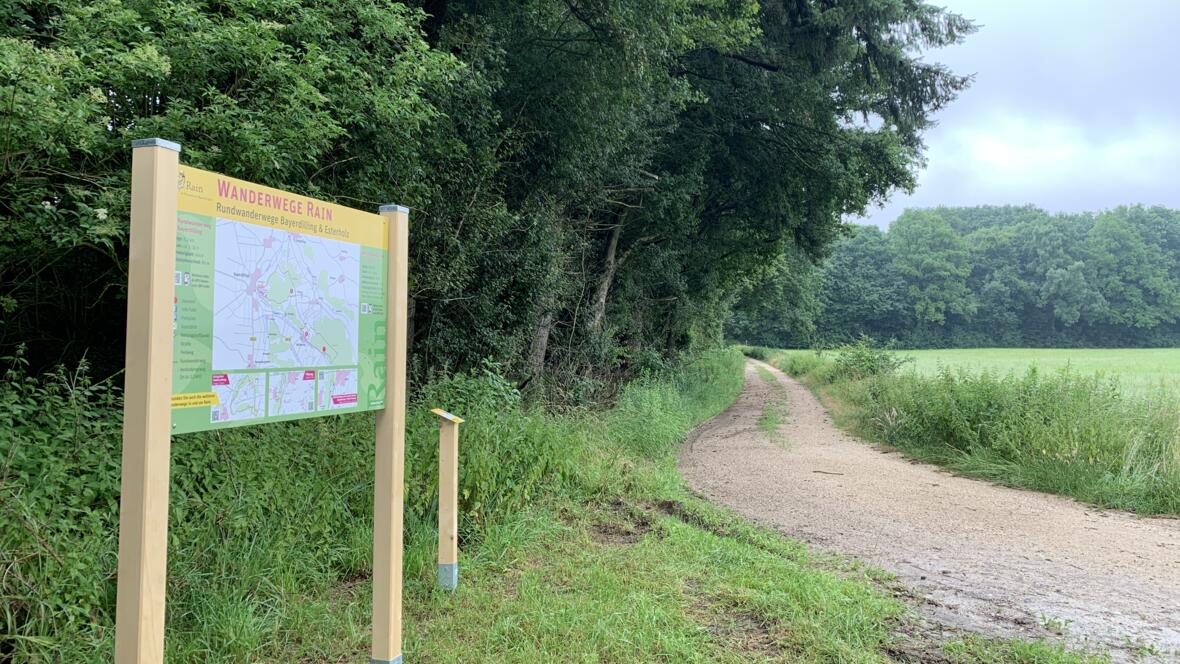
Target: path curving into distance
[{"x": 978, "y": 557}]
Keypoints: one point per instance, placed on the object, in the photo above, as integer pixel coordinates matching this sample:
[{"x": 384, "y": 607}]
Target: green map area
[{"x": 271, "y": 325}]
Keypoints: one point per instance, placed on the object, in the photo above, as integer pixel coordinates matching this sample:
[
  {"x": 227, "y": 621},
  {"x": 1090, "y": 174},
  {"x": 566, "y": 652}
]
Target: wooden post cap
[{"x": 447, "y": 416}]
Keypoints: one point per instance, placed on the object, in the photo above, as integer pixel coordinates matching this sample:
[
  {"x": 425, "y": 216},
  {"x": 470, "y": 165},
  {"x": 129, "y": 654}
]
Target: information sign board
[{"x": 279, "y": 306}]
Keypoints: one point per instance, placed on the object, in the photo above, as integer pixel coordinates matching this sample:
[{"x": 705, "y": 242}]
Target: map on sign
[
  {"x": 337, "y": 389},
  {"x": 279, "y": 307},
  {"x": 292, "y": 392},
  {"x": 283, "y": 299},
  {"x": 239, "y": 397}
]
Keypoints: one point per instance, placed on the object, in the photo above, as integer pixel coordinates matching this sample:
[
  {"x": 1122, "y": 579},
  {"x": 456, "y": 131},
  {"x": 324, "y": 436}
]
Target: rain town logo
[{"x": 182, "y": 184}]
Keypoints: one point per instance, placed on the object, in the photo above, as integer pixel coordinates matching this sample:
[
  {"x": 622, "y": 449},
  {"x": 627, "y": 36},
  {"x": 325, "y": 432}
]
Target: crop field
[{"x": 1138, "y": 369}]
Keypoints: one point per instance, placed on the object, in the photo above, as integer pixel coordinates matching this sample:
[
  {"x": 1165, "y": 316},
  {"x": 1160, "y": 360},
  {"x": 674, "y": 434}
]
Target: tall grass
[
  {"x": 271, "y": 539},
  {"x": 1061, "y": 432},
  {"x": 268, "y": 523}
]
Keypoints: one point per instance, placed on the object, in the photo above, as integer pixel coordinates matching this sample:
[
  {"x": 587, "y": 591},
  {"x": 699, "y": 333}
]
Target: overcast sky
[{"x": 1074, "y": 107}]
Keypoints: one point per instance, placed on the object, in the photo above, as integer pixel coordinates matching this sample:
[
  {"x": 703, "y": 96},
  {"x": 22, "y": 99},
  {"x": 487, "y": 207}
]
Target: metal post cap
[{"x": 155, "y": 143}]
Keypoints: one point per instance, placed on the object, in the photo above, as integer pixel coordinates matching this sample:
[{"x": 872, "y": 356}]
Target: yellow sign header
[{"x": 214, "y": 195}]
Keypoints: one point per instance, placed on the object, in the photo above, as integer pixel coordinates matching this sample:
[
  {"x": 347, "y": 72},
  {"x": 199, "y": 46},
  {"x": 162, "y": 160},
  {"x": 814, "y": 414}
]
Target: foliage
[
  {"x": 863, "y": 359},
  {"x": 780, "y": 308},
  {"x": 652, "y": 414},
  {"x": 59, "y": 485},
  {"x": 987, "y": 276},
  {"x": 757, "y": 352},
  {"x": 799, "y": 364},
  {"x": 591, "y": 182},
  {"x": 328, "y": 100}
]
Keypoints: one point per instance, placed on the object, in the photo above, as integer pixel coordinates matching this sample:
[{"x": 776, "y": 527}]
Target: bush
[
  {"x": 799, "y": 364},
  {"x": 757, "y": 352},
  {"x": 509, "y": 455},
  {"x": 262, "y": 517},
  {"x": 854, "y": 361},
  {"x": 59, "y": 482},
  {"x": 862, "y": 359},
  {"x": 652, "y": 413}
]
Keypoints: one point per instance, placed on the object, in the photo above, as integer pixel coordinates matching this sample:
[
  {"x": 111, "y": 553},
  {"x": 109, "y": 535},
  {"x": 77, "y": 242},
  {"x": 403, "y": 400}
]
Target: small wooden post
[
  {"x": 147, "y": 409},
  {"x": 389, "y": 495},
  {"x": 448, "y": 499}
]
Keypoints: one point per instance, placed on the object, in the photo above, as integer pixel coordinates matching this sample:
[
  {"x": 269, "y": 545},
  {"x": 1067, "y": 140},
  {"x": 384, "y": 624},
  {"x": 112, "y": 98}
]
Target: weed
[
  {"x": 764, "y": 373},
  {"x": 769, "y": 420}
]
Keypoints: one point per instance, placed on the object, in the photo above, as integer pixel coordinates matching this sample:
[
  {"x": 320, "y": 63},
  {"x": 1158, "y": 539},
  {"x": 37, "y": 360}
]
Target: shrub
[
  {"x": 757, "y": 352},
  {"x": 652, "y": 413},
  {"x": 262, "y": 516},
  {"x": 862, "y": 359},
  {"x": 800, "y": 364},
  {"x": 59, "y": 480}
]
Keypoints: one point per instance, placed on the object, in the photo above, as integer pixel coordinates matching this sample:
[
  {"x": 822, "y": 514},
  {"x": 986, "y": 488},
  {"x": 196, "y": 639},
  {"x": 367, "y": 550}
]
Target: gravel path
[{"x": 981, "y": 558}]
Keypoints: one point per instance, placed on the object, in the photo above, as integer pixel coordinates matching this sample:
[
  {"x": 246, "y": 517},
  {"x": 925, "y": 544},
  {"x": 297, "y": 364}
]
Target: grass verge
[
  {"x": 580, "y": 543},
  {"x": 1059, "y": 432},
  {"x": 631, "y": 567}
]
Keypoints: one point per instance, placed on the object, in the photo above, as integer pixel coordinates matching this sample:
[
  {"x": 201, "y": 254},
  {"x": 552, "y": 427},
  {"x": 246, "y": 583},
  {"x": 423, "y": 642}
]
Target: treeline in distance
[{"x": 977, "y": 277}]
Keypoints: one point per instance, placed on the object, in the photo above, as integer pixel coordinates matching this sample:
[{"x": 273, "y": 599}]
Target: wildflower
[
  {"x": 101, "y": 213},
  {"x": 47, "y": 205}
]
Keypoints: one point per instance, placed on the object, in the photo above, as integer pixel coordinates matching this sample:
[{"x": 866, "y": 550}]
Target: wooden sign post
[
  {"x": 448, "y": 499},
  {"x": 147, "y": 423},
  {"x": 190, "y": 369},
  {"x": 389, "y": 496}
]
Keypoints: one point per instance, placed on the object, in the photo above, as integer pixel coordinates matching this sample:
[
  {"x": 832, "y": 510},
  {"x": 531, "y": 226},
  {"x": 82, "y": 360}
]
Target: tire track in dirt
[{"x": 982, "y": 558}]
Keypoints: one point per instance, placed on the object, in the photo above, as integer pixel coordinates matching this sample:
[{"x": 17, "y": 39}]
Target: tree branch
[{"x": 761, "y": 64}]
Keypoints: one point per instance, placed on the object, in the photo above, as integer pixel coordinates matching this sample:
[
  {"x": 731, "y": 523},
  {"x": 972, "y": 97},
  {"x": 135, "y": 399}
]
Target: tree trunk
[
  {"x": 609, "y": 264},
  {"x": 539, "y": 346}
]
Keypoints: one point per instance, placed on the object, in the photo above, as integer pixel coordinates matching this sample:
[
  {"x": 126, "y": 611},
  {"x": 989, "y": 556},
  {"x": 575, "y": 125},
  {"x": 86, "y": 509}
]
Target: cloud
[
  {"x": 1030, "y": 155},
  {"x": 1071, "y": 109}
]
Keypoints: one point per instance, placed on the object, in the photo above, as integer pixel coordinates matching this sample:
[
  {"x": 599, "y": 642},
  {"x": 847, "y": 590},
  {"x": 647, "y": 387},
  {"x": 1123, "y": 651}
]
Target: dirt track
[{"x": 982, "y": 558}]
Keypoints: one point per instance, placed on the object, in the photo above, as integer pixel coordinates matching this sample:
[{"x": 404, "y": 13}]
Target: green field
[{"x": 1139, "y": 369}]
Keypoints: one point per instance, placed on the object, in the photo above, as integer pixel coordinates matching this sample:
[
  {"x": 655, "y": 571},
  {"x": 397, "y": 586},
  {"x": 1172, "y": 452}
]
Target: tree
[
  {"x": 934, "y": 262},
  {"x": 862, "y": 292},
  {"x": 593, "y": 181},
  {"x": 329, "y": 100},
  {"x": 1008, "y": 276},
  {"x": 1131, "y": 274},
  {"x": 779, "y": 308}
]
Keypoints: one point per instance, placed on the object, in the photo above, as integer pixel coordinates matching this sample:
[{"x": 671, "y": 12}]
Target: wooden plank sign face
[{"x": 280, "y": 305}]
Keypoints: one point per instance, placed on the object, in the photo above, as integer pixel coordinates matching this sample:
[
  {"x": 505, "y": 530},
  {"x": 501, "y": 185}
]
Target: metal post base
[
  {"x": 448, "y": 576},
  {"x": 395, "y": 660}
]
